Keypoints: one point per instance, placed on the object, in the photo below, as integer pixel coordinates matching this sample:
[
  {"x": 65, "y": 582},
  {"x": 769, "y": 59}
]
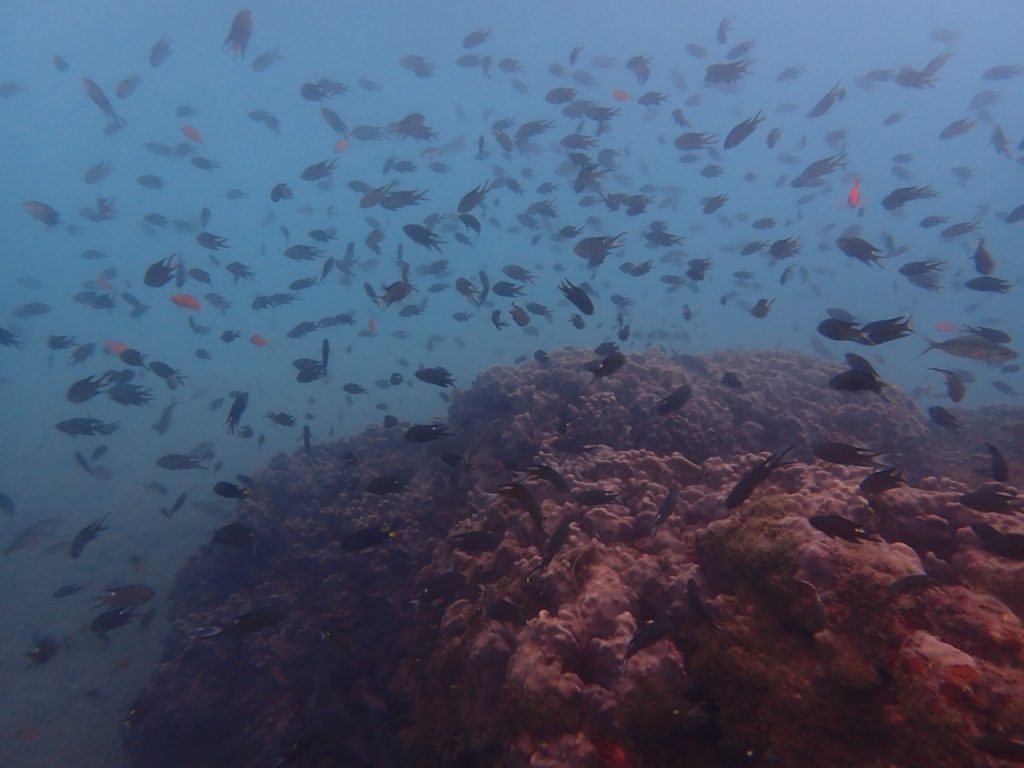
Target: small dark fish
[
  {"x": 987, "y": 284},
  {"x": 552, "y": 475},
  {"x": 695, "y": 603},
  {"x": 955, "y": 386},
  {"x": 87, "y": 388},
  {"x": 248, "y": 623},
  {"x": 847, "y": 455},
  {"x": 991, "y": 498},
  {"x": 238, "y": 405},
  {"x": 178, "y": 504},
  {"x": 231, "y": 491},
  {"x": 607, "y": 366},
  {"x": 426, "y": 433},
  {"x": 474, "y": 542},
  {"x": 856, "y": 381},
  {"x": 553, "y": 546},
  {"x": 754, "y": 477},
  {"x": 860, "y": 249},
  {"x": 838, "y": 527},
  {"x": 595, "y": 496},
  {"x": 239, "y": 34},
  {"x": 501, "y": 608},
  {"x": 915, "y": 582},
  {"x": 668, "y": 504},
  {"x": 1000, "y": 747},
  {"x": 518, "y": 492},
  {"x": 730, "y": 379},
  {"x": 96, "y": 95},
  {"x": 125, "y": 595},
  {"x": 675, "y": 400},
  {"x": 159, "y": 52},
  {"x": 439, "y": 377},
  {"x": 1000, "y": 469},
  {"x": 741, "y": 131},
  {"x": 163, "y": 424},
  {"x": 1008, "y": 545},
  {"x": 386, "y": 484},
  {"x": 577, "y": 296},
  {"x": 364, "y": 538},
  {"x": 282, "y": 419},
  {"x": 78, "y": 427},
  {"x": 180, "y": 461},
  {"x": 441, "y": 585},
  {"x": 761, "y": 309},
  {"x": 983, "y": 261},
  {"x": 112, "y": 619},
  {"x": 883, "y": 331},
  {"x": 945, "y": 419},
  {"x": 645, "y": 636},
  {"x": 87, "y": 534},
  {"x": 45, "y": 650},
  {"x": 237, "y": 535},
  {"x": 31, "y": 536},
  {"x": 881, "y": 480},
  {"x": 842, "y": 330},
  {"x": 67, "y": 589}
]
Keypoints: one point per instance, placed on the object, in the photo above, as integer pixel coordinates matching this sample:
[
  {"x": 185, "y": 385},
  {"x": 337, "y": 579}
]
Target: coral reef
[{"x": 616, "y": 614}]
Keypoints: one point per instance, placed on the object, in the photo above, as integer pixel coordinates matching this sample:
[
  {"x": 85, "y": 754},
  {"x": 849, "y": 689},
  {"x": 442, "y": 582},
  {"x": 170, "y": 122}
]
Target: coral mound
[{"x": 614, "y": 614}]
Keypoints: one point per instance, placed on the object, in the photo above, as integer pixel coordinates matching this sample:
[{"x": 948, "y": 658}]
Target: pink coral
[{"x": 764, "y": 636}]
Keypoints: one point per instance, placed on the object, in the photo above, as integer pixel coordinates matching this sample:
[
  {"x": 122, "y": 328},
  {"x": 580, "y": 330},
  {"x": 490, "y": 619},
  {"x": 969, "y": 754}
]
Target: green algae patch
[
  {"x": 927, "y": 730},
  {"x": 753, "y": 552}
]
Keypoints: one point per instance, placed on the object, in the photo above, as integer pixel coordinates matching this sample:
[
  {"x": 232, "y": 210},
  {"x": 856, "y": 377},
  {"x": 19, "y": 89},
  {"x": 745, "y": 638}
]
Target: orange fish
[
  {"x": 341, "y": 145},
  {"x": 621, "y": 95},
  {"x": 192, "y": 133},
  {"x": 946, "y": 327},
  {"x": 258, "y": 341},
  {"x": 103, "y": 285},
  {"x": 185, "y": 301},
  {"x": 372, "y": 325},
  {"x": 853, "y": 199},
  {"x": 115, "y": 347}
]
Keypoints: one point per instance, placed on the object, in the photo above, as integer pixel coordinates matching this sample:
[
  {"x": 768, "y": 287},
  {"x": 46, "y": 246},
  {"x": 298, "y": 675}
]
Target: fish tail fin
[{"x": 931, "y": 344}]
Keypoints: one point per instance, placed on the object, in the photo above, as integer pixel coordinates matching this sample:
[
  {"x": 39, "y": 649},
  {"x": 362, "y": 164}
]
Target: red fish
[
  {"x": 621, "y": 95},
  {"x": 853, "y": 199},
  {"x": 613, "y": 755},
  {"x": 258, "y": 341},
  {"x": 27, "y": 733},
  {"x": 372, "y": 325},
  {"x": 947, "y": 327},
  {"x": 341, "y": 145},
  {"x": 185, "y": 301},
  {"x": 192, "y": 133},
  {"x": 115, "y": 347}
]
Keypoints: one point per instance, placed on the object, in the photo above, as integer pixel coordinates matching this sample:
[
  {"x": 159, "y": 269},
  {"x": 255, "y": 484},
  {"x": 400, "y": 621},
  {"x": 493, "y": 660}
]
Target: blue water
[{"x": 51, "y": 133}]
